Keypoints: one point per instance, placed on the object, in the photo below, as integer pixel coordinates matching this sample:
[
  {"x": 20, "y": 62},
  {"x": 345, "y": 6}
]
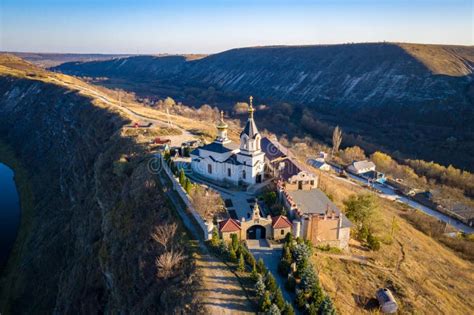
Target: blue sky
[{"x": 207, "y": 26}]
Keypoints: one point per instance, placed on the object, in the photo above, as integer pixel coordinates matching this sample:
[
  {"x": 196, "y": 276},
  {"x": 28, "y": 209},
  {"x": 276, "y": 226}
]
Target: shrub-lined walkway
[{"x": 221, "y": 292}]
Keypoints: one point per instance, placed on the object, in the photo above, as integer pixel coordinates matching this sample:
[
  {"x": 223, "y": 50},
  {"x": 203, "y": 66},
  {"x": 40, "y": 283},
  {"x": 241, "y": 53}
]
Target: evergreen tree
[
  {"x": 289, "y": 238},
  {"x": 235, "y": 241},
  {"x": 270, "y": 283},
  {"x": 261, "y": 266},
  {"x": 188, "y": 185},
  {"x": 254, "y": 273},
  {"x": 260, "y": 286},
  {"x": 288, "y": 310},
  {"x": 265, "y": 302},
  {"x": 241, "y": 266},
  {"x": 182, "y": 177},
  {"x": 300, "y": 299},
  {"x": 327, "y": 308},
  {"x": 309, "y": 278},
  {"x": 222, "y": 247},
  {"x": 317, "y": 296},
  {"x": 287, "y": 254},
  {"x": 273, "y": 310},
  {"x": 215, "y": 237},
  {"x": 279, "y": 300},
  {"x": 232, "y": 254},
  {"x": 312, "y": 309}
]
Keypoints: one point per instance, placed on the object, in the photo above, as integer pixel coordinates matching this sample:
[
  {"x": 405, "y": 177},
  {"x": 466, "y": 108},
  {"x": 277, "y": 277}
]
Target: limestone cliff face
[
  {"x": 428, "y": 81},
  {"x": 87, "y": 248}
]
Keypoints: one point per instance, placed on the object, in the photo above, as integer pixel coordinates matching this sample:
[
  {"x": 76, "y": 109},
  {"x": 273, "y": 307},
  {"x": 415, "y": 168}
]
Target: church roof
[
  {"x": 272, "y": 150},
  {"x": 250, "y": 129},
  {"x": 229, "y": 225},
  {"x": 217, "y": 147},
  {"x": 280, "y": 222}
]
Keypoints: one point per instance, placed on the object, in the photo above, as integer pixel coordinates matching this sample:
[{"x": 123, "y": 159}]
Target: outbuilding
[{"x": 387, "y": 302}]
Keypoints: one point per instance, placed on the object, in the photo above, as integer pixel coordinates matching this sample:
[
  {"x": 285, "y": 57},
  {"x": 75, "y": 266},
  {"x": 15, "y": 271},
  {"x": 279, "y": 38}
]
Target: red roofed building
[
  {"x": 257, "y": 227},
  {"x": 281, "y": 226},
  {"x": 229, "y": 227}
]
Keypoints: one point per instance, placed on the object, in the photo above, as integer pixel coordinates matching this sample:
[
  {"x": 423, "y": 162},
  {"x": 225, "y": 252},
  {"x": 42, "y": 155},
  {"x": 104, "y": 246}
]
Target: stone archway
[{"x": 256, "y": 232}]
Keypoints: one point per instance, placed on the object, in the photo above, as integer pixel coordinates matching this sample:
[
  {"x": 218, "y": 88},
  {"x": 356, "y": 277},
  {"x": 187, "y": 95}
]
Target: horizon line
[{"x": 233, "y": 48}]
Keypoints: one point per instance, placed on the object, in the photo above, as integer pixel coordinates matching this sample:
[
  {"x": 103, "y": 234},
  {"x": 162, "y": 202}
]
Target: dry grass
[
  {"x": 426, "y": 277},
  {"x": 442, "y": 59}
]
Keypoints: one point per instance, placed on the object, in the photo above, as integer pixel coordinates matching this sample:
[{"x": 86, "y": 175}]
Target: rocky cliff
[
  {"x": 409, "y": 98},
  {"x": 85, "y": 245},
  {"x": 429, "y": 80}
]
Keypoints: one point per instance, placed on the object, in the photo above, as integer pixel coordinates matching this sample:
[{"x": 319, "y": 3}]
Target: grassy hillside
[{"x": 417, "y": 100}]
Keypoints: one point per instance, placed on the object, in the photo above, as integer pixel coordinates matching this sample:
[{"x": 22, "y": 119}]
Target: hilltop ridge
[{"x": 399, "y": 89}]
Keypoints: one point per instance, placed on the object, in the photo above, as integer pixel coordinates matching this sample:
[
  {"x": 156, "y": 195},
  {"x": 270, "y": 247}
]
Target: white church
[{"x": 225, "y": 161}]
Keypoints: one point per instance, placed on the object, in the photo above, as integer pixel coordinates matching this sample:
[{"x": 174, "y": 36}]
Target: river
[{"x": 9, "y": 212}]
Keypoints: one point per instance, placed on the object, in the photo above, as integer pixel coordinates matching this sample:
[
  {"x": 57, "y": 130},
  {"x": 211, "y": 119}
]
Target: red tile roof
[
  {"x": 280, "y": 222},
  {"x": 229, "y": 225}
]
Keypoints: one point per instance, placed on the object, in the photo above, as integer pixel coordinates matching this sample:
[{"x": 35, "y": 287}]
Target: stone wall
[{"x": 206, "y": 227}]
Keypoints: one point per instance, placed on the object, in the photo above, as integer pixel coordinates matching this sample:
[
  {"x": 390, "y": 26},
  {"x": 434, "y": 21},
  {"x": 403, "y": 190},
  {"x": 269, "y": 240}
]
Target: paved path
[
  {"x": 220, "y": 292},
  {"x": 271, "y": 258}
]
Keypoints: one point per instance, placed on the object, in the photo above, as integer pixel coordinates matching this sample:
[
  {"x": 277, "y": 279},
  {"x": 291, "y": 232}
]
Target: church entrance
[{"x": 256, "y": 232}]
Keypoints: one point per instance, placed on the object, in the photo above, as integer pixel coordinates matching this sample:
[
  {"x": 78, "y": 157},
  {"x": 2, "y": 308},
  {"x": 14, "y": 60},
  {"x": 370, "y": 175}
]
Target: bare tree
[
  {"x": 164, "y": 234},
  {"x": 168, "y": 262},
  {"x": 206, "y": 201},
  {"x": 336, "y": 139}
]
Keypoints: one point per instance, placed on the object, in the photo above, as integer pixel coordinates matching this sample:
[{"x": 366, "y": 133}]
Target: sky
[{"x": 209, "y": 26}]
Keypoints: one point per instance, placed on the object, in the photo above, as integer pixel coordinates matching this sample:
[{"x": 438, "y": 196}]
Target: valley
[
  {"x": 102, "y": 203},
  {"x": 409, "y": 99}
]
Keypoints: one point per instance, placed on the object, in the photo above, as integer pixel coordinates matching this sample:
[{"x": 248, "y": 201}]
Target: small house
[
  {"x": 320, "y": 164},
  {"x": 229, "y": 227},
  {"x": 361, "y": 167},
  {"x": 281, "y": 226}
]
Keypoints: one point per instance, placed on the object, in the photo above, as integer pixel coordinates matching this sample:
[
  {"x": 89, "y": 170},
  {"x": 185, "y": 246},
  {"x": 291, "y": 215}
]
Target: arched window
[
  {"x": 257, "y": 142},
  {"x": 209, "y": 168},
  {"x": 243, "y": 174},
  {"x": 245, "y": 142}
]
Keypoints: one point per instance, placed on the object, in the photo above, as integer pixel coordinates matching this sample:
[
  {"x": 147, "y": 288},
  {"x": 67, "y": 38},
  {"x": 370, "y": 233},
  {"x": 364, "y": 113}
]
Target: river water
[{"x": 9, "y": 212}]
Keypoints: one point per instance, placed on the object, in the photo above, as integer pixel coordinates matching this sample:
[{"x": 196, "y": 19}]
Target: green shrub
[
  {"x": 265, "y": 302},
  {"x": 261, "y": 266},
  {"x": 270, "y": 283},
  {"x": 241, "y": 266},
  {"x": 300, "y": 299},
  {"x": 232, "y": 254},
  {"x": 327, "y": 308},
  {"x": 254, "y": 275},
  {"x": 373, "y": 242},
  {"x": 278, "y": 299},
  {"x": 288, "y": 309}
]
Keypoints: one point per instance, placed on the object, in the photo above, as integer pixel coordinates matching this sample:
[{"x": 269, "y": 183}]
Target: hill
[
  {"x": 397, "y": 89},
  {"x": 84, "y": 245}
]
